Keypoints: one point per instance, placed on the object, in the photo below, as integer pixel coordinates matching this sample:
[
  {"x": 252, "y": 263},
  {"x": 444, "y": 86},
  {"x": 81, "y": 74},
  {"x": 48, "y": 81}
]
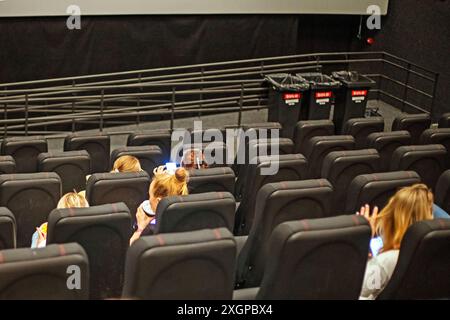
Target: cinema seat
[
  {"x": 280, "y": 146},
  {"x": 291, "y": 167},
  {"x": 30, "y": 197},
  {"x": 386, "y": 143},
  {"x": 130, "y": 188},
  {"x": 44, "y": 274},
  {"x": 104, "y": 232},
  {"x": 220, "y": 179},
  {"x": 428, "y": 161},
  {"x": 98, "y": 147},
  {"x": 305, "y": 130},
  {"x": 25, "y": 151},
  {"x": 277, "y": 203},
  {"x": 160, "y": 138},
  {"x": 195, "y": 212},
  {"x": 71, "y": 166},
  {"x": 197, "y": 265},
  {"x": 319, "y": 259},
  {"x": 8, "y": 229},
  {"x": 341, "y": 167},
  {"x": 360, "y": 128},
  {"x": 421, "y": 272},
  {"x": 215, "y": 152},
  {"x": 442, "y": 191},
  {"x": 319, "y": 147},
  {"x": 436, "y": 136},
  {"x": 7, "y": 165},
  {"x": 150, "y": 157},
  {"x": 444, "y": 121},
  {"x": 376, "y": 189},
  {"x": 415, "y": 124}
]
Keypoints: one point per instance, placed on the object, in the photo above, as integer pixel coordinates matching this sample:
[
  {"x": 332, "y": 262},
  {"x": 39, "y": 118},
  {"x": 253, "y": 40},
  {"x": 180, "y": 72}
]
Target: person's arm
[{"x": 142, "y": 221}]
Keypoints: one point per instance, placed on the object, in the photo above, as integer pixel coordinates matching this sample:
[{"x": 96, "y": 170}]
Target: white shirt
[{"x": 379, "y": 271}]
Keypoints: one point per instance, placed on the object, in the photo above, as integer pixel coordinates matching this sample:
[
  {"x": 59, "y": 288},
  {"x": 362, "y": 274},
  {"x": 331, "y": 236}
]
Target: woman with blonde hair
[
  {"x": 126, "y": 164},
  {"x": 69, "y": 200},
  {"x": 164, "y": 184},
  {"x": 408, "y": 206}
]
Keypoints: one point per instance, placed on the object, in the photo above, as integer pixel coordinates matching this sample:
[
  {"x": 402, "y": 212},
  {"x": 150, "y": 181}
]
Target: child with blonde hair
[
  {"x": 69, "y": 200},
  {"x": 164, "y": 184}
]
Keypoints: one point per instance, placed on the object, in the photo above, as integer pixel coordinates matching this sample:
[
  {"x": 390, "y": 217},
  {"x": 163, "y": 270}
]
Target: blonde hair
[
  {"x": 72, "y": 200},
  {"x": 407, "y": 206},
  {"x": 126, "y": 164},
  {"x": 165, "y": 184}
]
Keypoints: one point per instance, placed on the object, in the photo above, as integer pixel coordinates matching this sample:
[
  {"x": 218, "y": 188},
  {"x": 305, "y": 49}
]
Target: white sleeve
[{"x": 376, "y": 278}]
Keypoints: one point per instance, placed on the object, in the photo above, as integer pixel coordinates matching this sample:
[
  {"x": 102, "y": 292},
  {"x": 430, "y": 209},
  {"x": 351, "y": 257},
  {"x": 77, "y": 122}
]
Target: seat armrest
[{"x": 240, "y": 242}]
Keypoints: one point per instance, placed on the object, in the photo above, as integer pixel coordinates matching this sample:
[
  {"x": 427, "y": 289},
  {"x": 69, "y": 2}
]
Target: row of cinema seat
[
  {"x": 292, "y": 168},
  {"x": 25, "y": 151},
  {"x": 309, "y": 259},
  {"x": 103, "y": 231}
]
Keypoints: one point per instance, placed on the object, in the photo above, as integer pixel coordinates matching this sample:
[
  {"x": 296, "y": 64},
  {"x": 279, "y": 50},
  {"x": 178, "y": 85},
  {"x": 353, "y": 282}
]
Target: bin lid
[
  {"x": 287, "y": 82},
  {"x": 353, "y": 79},
  {"x": 319, "y": 80}
]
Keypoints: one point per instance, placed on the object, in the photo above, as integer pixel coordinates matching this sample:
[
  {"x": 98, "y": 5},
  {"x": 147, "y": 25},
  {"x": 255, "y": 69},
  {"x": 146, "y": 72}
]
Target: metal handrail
[{"x": 202, "y": 88}]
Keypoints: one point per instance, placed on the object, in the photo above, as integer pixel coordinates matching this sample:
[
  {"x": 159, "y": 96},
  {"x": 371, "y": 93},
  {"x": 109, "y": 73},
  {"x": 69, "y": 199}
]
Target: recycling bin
[
  {"x": 320, "y": 97},
  {"x": 286, "y": 96},
  {"x": 351, "y": 98}
]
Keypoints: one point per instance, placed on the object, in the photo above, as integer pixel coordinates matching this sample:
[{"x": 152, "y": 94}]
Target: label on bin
[
  {"x": 323, "y": 97},
  {"x": 292, "y": 98},
  {"x": 359, "y": 96}
]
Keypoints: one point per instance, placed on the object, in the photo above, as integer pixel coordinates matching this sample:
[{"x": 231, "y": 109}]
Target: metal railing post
[
  {"x": 405, "y": 91},
  {"x": 102, "y": 106},
  {"x": 172, "y": 114},
  {"x": 26, "y": 115},
  {"x": 73, "y": 108},
  {"x": 241, "y": 102},
  {"x": 5, "y": 130},
  {"x": 433, "y": 100},
  {"x": 201, "y": 92}
]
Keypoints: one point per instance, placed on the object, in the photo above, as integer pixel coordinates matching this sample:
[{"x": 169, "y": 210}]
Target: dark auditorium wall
[
  {"x": 419, "y": 31},
  {"x": 39, "y": 48}
]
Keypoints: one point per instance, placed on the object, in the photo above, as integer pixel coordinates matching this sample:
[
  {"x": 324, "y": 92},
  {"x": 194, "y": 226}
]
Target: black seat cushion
[
  {"x": 442, "y": 191},
  {"x": 360, "y": 128},
  {"x": 195, "y": 212},
  {"x": 444, "y": 121},
  {"x": 220, "y": 179},
  {"x": 30, "y": 197},
  {"x": 277, "y": 203},
  {"x": 71, "y": 166},
  {"x": 160, "y": 138},
  {"x": 376, "y": 189},
  {"x": 305, "y": 130},
  {"x": 196, "y": 265},
  {"x": 414, "y": 123},
  {"x": 7, "y": 165},
  {"x": 8, "y": 229},
  {"x": 422, "y": 268},
  {"x": 44, "y": 274},
  {"x": 307, "y": 255},
  {"x": 291, "y": 167},
  {"x": 386, "y": 143},
  {"x": 319, "y": 147},
  {"x": 104, "y": 232},
  {"x": 132, "y": 188},
  {"x": 428, "y": 161},
  {"x": 341, "y": 167},
  {"x": 436, "y": 136},
  {"x": 25, "y": 151},
  {"x": 98, "y": 147}
]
